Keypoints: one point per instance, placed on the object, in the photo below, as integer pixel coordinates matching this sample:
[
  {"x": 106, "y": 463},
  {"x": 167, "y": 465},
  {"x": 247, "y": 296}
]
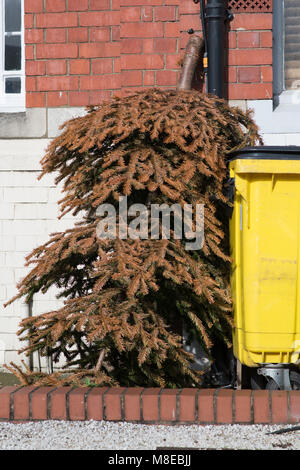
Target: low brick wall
[{"x": 150, "y": 405}]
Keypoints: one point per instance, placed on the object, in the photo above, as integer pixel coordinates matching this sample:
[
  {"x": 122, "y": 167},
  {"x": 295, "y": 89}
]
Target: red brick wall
[
  {"x": 149, "y": 38},
  {"x": 150, "y": 405},
  {"x": 79, "y": 52},
  {"x": 248, "y": 54},
  {"x": 72, "y": 55}
]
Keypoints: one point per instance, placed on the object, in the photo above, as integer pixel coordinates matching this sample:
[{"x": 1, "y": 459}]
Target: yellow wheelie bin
[{"x": 265, "y": 276}]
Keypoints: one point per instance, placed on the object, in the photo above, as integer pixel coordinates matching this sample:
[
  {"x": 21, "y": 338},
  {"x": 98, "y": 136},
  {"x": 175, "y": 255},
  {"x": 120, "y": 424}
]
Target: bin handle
[{"x": 243, "y": 188}]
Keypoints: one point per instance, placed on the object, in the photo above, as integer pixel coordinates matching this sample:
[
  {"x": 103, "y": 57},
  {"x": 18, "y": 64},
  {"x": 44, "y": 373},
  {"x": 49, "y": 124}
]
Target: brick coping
[{"x": 150, "y": 405}]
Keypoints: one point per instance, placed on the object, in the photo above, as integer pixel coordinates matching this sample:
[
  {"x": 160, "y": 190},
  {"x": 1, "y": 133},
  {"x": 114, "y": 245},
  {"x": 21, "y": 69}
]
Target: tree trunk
[{"x": 192, "y": 55}]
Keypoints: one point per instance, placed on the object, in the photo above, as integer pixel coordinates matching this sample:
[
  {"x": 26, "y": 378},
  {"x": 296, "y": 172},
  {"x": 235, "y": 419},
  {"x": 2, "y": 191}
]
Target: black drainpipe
[
  {"x": 213, "y": 19},
  {"x": 215, "y": 15}
]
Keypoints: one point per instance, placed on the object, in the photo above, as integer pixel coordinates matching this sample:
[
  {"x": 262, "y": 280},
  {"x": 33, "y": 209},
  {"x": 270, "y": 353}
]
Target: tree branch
[
  {"x": 100, "y": 360},
  {"x": 192, "y": 55}
]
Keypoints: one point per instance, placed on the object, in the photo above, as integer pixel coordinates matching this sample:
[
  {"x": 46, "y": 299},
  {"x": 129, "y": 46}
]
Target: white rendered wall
[
  {"x": 28, "y": 215},
  {"x": 279, "y": 126}
]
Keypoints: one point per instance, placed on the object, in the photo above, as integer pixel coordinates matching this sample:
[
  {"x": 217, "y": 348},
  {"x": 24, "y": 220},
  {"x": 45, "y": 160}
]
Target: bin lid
[{"x": 267, "y": 152}]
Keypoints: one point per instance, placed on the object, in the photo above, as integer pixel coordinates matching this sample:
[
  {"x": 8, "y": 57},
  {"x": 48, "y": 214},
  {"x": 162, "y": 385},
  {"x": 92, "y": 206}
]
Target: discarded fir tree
[{"x": 125, "y": 299}]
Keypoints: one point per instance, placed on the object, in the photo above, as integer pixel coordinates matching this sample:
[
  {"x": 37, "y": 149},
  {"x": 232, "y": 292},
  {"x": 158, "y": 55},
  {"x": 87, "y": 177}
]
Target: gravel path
[{"x": 101, "y": 435}]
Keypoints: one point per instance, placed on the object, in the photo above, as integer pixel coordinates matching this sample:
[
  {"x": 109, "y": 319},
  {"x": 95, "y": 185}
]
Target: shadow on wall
[{"x": 7, "y": 379}]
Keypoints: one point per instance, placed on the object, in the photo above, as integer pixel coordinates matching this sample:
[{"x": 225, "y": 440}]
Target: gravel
[{"x": 104, "y": 435}]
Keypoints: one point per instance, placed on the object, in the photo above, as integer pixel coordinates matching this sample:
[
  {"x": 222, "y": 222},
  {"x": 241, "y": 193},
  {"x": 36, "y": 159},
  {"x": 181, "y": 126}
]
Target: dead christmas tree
[{"x": 124, "y": 298}]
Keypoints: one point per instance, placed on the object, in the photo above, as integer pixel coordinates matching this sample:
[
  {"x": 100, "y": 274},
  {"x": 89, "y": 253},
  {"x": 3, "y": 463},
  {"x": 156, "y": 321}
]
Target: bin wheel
[
  {"x": 258, "y": 382},
  {"x": 272, "y": 385},
  {"x": 294, "y": 379}
]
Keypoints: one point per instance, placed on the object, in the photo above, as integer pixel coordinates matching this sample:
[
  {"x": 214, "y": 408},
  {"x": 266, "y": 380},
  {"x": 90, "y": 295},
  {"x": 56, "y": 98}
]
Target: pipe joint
[
  {"x": 215, "y": 9},
  {"x": 215, "y": 12}
]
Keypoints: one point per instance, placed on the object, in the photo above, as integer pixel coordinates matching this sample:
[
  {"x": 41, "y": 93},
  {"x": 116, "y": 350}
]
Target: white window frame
[
  {"x": 282, "y": 96},
  {"x": 11, "y": 103},
  {"x": 278, "y": 116}
]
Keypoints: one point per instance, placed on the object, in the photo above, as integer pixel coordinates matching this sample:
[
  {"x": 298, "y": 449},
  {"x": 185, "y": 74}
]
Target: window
[
  {"x": 292, "y": 44},
  {"x": 286, "y": 51},
  {"x": 12, "y": 63}
]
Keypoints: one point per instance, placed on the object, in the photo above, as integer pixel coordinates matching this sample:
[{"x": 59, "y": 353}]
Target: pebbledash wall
[{"x": 81, "y": 52}]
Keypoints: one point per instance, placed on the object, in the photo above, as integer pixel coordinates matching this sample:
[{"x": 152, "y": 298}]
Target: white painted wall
[
  {"x": 279, "y": 126},
  {"x": 28, "y": 215}
]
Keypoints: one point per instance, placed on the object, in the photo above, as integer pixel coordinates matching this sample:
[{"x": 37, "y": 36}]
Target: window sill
[
  {"x": 289, "y": 97},
  {"x": 284, "y": 119},
  {"x": 12, "y": 109}
]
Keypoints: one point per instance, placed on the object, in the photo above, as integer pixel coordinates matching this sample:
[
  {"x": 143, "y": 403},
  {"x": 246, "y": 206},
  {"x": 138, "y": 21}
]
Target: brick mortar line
[
  {"x": 104, "y": 404},
  {"x": 288, "y": 407},
  {"x": 178, "y": 405},
  {"x": 215, "y": 400},
  {"x": 67, "y": 403},
  {"x": 122, "y": 404},
  {"x": 85, "y": 403},
  {"x": 12, "y": 404},
  {"x": 141, "y": 405},
  {"x": 30, "y": 403},
  {"x": 252, "y": 407},
  {"x": 159, "y": 404},
  {"x": 49, "y": 402},
  {"x": 233, "y": 406},
  {"x": 197, "y": 405},
  {"x": 270, "y": 407}
]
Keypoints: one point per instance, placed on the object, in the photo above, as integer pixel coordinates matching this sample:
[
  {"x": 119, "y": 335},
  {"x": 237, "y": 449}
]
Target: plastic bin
[{"x": 265, "y": 248}]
